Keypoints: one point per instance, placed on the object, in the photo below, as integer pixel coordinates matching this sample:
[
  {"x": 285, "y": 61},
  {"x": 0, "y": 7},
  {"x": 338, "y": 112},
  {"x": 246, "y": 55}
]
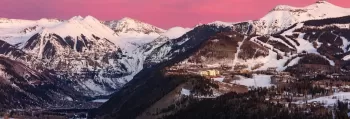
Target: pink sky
[{"x": 161, "y": 13}]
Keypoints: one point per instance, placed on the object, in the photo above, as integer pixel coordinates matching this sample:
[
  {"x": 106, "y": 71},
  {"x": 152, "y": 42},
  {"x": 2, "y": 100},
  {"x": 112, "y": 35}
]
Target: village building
[
  {"x": 210, "y": 73},
  {"x": 240, "y": 66},
  {"x": 276, "y": 79},
  {"x": 272, "y": 69},
  {"x": 244, "y": 71},
  {"x": 284, "y": 74}
]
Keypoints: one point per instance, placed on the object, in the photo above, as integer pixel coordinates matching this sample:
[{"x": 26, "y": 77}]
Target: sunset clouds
[{"x": 162, "y": 13}]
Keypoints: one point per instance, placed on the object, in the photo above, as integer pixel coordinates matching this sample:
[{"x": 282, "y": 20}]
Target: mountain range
[
  {"x": 49, "y": 62},
  {"x": 95, "y": 57}
]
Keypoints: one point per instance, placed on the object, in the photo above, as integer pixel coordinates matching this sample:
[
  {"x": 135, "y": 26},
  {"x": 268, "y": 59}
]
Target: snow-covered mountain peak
[
  {"x": 282, "y": 8},
  {"x": 127, "y": 25},
  {"x": 76, "y": 18},
  {"x": 320, "y": 9},
  {"x": 91, "y": 18},
  {"x": 46, "y": 20},
  {"x": 78, "y": 25},
  {"x": 283, "y": 16},
  {"x": 127, "y": 19},
  {"x": 317, "y": 5},
  {"x": 322, "y": 4},
  {"x": 80, "y": 18}
]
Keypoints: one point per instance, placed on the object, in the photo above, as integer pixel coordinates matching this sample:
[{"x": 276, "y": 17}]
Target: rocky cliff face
[{"x": 23, "y": 87}]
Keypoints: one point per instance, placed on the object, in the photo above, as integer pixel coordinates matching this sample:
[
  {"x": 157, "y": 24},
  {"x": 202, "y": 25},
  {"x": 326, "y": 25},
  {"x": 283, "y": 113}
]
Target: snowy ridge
[
  {"x": 284, "y": 16},
  {"x": 127, "y": 25},
  {"x": 16, "y": 31},
  {"x": 221, "y": 23},
  {"x": 175, "y": 32},
  {"x": 78, "y": 25}
]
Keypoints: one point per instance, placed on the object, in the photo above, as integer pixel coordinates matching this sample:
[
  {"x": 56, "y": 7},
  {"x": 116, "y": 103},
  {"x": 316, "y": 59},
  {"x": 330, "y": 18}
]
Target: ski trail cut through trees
[{"x": 239, "y": 48}]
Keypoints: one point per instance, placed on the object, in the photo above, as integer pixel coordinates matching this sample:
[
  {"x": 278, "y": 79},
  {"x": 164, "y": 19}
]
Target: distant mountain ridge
[
  {"x": 92, "y": 56},
  {"x": 127, "y": 24}
]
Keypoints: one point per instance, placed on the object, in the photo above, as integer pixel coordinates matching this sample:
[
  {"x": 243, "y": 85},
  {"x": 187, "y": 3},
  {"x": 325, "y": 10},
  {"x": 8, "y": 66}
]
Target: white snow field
[{"x": 257, "y": 81}]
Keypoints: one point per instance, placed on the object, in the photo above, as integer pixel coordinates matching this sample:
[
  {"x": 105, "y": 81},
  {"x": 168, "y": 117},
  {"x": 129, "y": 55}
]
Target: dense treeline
[
  {"x": 304, "y": 87},
  {"x": 284, "y": 30},
  {"x": 144, "y": 96},
  {"x": 314, "y": 59},
  {"x": 6, "y": 49},
  {"x": 220, "y": 46},
  {"x": 293, "y": 38},
  {"x": 277, "y": 45},
  {"x": 202, "y": 86},
  {"x": 341, "y": 110},
  {"x": 251, "y": 105},
  {"x": 284, "y": 40},
  {"x": 328, "y": 21},
  {"x": 250, "y": 50},
  {"x": 189, "y": 43}
]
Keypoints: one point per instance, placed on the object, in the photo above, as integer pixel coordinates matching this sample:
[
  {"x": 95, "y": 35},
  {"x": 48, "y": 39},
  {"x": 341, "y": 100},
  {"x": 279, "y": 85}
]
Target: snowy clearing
[
  {"x": 220, "y": 79},
  {"x": 332, "y": 99},
  {"x": 256, "y": 81}
]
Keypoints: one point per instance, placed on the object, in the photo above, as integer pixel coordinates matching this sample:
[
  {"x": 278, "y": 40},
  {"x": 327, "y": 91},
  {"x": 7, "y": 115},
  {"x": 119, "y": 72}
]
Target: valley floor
[{"x": 77, "y": 110}]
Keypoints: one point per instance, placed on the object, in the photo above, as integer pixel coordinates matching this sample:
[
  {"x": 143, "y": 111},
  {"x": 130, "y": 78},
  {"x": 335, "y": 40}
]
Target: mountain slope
[
  {"x": 83, "y": 49},
  {"x": 10, "y": 50},
  {"x": 152, "y": 76},
  {"x": 317, "y": 46},
  {"x": 81, "y": 53},
  {"x": 188, "y": 41},
  {"x": 23, "y": 87}
]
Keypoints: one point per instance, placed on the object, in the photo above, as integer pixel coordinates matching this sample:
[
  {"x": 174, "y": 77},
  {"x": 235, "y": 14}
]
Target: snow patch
[
  {"x": 294, "y": 61},
  {"x": 185, "y": 92},
  {"x": 176, "y": 32},
  {"x": 332, "y": 99},
  {"x": 100, "y": 100},
  {"x": 258, "y": 80},
  {"x": 220, "y": 79},
  {"x": 347, "y": 57}
]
